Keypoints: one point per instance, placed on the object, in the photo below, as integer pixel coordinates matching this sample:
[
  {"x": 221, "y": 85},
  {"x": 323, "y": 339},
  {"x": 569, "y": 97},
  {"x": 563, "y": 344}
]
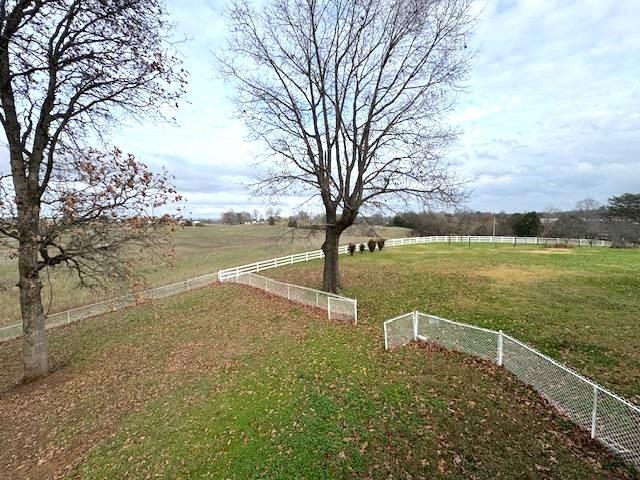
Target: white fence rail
[
  {"x": 612, "y": 420},
  {"x": 338, "y": 308},
  {"x": 80, "y": 313},
  {"x": 494, "y": 239}
]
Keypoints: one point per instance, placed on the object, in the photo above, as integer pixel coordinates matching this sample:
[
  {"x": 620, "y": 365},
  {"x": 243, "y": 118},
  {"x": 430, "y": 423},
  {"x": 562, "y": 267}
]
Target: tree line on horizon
[{"x": 617, "y": 221}]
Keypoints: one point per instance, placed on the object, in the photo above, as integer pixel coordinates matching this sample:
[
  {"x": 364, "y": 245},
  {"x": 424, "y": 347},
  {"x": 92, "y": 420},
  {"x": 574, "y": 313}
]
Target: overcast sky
[{"x": 552, "y": 113}]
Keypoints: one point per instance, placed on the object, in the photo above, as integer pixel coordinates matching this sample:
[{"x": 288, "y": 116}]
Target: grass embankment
[
  {"x": 581, "y": 305},
  {"x": 198, "y": 251},
  {"x": 226, "y": 382}
]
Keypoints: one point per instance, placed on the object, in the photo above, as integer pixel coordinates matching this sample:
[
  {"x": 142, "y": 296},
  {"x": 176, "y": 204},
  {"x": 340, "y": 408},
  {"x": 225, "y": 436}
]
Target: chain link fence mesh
[
  {"x": 456, "y": 336},
  {"x": 399, "y": 331},
  {"x": 342, "y": 309},
  {"x": 338, "y": 308}
]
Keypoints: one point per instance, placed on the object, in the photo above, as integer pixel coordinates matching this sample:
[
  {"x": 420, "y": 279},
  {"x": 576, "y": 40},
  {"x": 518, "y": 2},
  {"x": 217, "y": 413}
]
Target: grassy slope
[
  {"x": 580, "y": 305},
  {"x": 225, "y": 382},
  {"x": 199, "y": 250}
]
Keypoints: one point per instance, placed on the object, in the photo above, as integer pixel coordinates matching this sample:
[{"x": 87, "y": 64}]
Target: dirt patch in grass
[
  {"x": 506, "y": 274},
  {"x": 552, "y": 250}
]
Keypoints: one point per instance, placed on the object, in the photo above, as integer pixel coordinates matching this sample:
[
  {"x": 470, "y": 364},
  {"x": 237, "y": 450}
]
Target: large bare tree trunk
[
  {"x": 331, "y": 274},
  {"x": 34, "y": 340}
]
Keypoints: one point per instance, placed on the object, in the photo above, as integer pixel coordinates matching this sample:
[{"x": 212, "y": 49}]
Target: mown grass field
[
  {"x": 580, "y": 305},
  {"x": 226, "y": 382},
  {"x": 198, "y": 250}
]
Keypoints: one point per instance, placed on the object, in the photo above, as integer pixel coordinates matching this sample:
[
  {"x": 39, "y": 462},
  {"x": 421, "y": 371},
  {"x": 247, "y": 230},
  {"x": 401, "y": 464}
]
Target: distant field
[
  {"x": 199, "y": 250},
  {"x": 581, "y": 305},
  {"x": 227, "y": 382}
]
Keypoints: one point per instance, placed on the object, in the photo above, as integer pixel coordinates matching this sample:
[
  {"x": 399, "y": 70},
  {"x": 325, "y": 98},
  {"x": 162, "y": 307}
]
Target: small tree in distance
[
  {"x": 527, "y": 225},
  {"x": 349, "y": 98}
]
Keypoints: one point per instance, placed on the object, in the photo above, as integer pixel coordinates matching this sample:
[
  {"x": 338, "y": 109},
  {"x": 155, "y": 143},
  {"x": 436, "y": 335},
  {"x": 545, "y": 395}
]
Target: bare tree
[
  {"x": 548, "y": 218},
  {"x": 68, "y": 70},
  {"x": 588, "y": 210},
  {"x": 349, "y": 97}
]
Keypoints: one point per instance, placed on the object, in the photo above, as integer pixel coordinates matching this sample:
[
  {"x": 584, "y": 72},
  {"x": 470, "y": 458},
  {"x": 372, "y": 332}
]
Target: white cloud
[
  {"x": 552, "y": 114},
  {"x": 556, "y": 89}
]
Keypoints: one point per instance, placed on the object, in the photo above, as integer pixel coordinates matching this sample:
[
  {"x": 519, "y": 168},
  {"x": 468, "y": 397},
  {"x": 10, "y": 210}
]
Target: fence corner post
[
  {"x": 355, "y": 311},
  {"x": 594, "y": 412},
  {"x": 500, "y": 348},
  {"x": 415, "y": 324},
  {"x": 386, "y": 344}
]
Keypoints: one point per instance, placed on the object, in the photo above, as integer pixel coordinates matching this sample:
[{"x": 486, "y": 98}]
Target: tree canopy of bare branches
[
  {"x": 69, "y": 69},
  {"x": 350, "y": 99}
]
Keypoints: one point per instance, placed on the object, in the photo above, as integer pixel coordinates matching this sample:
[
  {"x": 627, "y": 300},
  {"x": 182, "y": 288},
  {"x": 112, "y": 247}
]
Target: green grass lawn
[
  {"x": 580, "y": 305},
  {"x": 198, "y": 250},
  {"x": 226, "y": 382}
]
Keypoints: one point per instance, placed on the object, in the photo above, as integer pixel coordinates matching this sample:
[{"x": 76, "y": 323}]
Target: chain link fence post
[{"x": 594, "y": 412}]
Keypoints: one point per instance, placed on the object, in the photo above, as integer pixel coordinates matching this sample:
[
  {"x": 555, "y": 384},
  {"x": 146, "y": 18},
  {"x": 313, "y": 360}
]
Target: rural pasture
[
  {"x": 228, "y": 382},
  {"x": 198, "y": 251},
  {"x": 579, "y": 305}
]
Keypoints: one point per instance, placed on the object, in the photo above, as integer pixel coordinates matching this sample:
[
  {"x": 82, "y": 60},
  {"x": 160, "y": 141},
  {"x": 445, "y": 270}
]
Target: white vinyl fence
[
  {"x": 80, "y": 313},
  {"x": 338, "y": 308},
  {"x": 612, "y": 420},
  {"x": 395, "y": 242}
]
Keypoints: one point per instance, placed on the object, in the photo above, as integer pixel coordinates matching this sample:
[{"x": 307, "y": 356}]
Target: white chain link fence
[
  {"x": 612, "y": 420},
  {"x": 338, "y": 308}
]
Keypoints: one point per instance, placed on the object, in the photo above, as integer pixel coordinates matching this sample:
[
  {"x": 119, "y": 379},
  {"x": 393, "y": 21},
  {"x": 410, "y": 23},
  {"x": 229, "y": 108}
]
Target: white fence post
[
  {"x": 500, "y": 348},
  {"x": 288, "y": 292},
  {"x": 594, "y": 413},
  {"x": 68, "y": 316},
  {"x": 415, "y": 324},
  {"x": 386, "y": 346},
  {"x": 317, "y": 300},
  {"x": 329, "y": 307},
  {"x": 355, "y": 311}
]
